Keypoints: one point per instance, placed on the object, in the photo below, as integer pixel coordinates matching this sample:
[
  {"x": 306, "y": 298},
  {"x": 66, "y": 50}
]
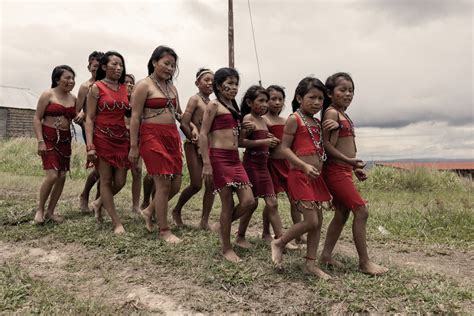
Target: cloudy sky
[{"x": 411, "y": 61}]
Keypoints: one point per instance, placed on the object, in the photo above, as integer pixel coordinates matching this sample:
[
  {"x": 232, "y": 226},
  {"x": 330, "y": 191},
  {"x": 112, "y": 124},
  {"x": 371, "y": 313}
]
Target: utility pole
[{"x": 231, "y": 34}]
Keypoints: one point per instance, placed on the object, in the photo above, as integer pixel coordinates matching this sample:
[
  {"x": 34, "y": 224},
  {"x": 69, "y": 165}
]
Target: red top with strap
[
  {"x": 302, "y": 142},
  {"x": 256, "y": 135},
  {"x": 346, "y": 128},
  {"x": 277, "y": 130},
  {"x": 56, "y": 109},
  {"x": 159, "y": 103},
  {"x": 223, "y": 121},
  {"x": 111, "y": 105}
]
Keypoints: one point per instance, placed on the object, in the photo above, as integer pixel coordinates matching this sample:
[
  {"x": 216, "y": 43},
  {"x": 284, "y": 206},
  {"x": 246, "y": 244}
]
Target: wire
[{"x": 255, "y": 45}]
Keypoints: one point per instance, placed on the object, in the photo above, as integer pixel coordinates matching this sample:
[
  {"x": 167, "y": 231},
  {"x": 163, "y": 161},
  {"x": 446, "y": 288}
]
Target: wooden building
[{"x": 17, "y": 108}]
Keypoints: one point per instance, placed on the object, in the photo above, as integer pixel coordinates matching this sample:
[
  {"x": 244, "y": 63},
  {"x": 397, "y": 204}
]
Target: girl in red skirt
[
  {"x": 52, "y": 120},
  {"x": 258, "y": 143},
  {"x": 302, "y": 146},
  {"x": 107, "y": 136},
  {"x": 219, "y": 142},
  {"x": 155, "y": 109},
  {"x": 342, "y": 161}
]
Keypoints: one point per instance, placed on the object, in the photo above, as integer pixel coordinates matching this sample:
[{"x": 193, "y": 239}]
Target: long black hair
[
  {"x": 160, "y": 52},
  {"x": 58, "y": 72},
  {"x": 219, "y": 77},
  {"x": 250, "y": 96},
  {"x": 104, "y": 60},
  {"x": 304, "y": 86},
  {"x": 331, "y": 84}
]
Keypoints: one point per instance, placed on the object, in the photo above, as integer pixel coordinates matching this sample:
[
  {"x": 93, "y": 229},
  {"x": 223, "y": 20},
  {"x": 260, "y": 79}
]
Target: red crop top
[
  {"x": 302, "y": 143},
  {"x": 277, "y": 130},
  {"x": 256, "y": 135},
  {"x": 346, "y": 128},
  {"x": 56, "y": 109},
  {"x": 223, "y": 121},
  {"x": 111, "y": 105},
  {"x": 159, "y": 103}
]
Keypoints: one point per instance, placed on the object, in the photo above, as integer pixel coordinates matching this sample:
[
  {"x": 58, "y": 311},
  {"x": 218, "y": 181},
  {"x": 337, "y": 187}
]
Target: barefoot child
[
  {"x": 219, "y": 141},
  {"x": 302, "y": 146},
  {"x": 257, "y": 144},
  {"x": 194, "y": 113},
  {"x": 341, "y": 148}
]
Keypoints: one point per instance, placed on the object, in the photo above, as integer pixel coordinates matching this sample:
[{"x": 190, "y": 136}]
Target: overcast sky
[{"x": 411, "y": 61}]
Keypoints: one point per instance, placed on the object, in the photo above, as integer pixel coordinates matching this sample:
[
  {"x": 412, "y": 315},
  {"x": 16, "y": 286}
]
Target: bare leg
[
  {"x": 243, "y": 225},
  {"x": 266, "y": 234},
  {"x": 226, "y": 217},
  {"x": 54, "y": 198},
  {"x": 296, "y": 218},
  {"x": 334, "y": 232},
  {"x": 208, "y": 201},
  {"x": 84, "y": 197},
  {"x": 45, "y": 190},
  {"x": 163, "y": 192},
  {"x": 148, "y": 187},
  {"x": 136, "y": 188}
]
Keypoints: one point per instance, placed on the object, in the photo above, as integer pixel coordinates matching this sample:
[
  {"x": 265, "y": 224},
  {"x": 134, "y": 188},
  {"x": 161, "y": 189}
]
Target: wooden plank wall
[{"x": 16, "y": 123}]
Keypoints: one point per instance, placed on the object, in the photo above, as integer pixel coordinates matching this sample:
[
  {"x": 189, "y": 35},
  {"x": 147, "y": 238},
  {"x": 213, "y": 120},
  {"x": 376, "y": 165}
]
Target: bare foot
[
  {"x": 83, "y": 205},
  {"x": 135, "y": 210},
  {"x": 242, "y": 242},
  {"x": 169, "y": 237},
  {"x": 291, "y": 246},
  {"x": 119, "y": 230},
  {"x": 372, "y": 268},
  {"x": 267, "y": 237},
  {"x": 310, "y": 268},
  {"x": 277, "y": 253},
  {"x": 39, "y": 217},
  {"x": 216, "y": 228},
  {"x": 301, "y": 240},
  {"x": 97, "y": 210},
  {"x": 330, "y": 262},
  {"x": 58, "y": 219},
  {"x": 144, "y": 205},
  {"x": 204, "y": 225},
  {"x": 231, "y": 256},
  {"x": 177, "y": 218},
  {"x": 148, "y": 220}
]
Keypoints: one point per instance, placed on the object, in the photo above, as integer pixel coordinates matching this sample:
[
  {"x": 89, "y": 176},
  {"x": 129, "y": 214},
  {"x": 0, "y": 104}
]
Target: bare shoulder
[
  {"x": 248, "y": 118},
  {"x": 331, "y": 114}
]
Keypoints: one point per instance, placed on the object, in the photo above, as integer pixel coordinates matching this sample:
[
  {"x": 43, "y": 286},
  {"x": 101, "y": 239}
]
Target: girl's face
[
  {"x": 66, "y": 81},
  {"x": 312, "y": 101},
  {"x": 93, "y": 66},
  {"x": 129, "y": 83},
  {"x": 343, "y": 93},
  {"x": 276, "y": 102},
  {"x": 259, "y": 105},
  {"x": 165, "y": 67},
  {"x": 114, "y": 68},
  {"x": 204, "y": 84},
  {"x": 229, "y": 88}
]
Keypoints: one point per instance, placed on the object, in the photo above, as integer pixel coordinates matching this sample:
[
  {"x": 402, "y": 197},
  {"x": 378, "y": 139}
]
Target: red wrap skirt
[
  {"x": 338, "y": 178},
  {"x": 256, "y": 167},
  {"x": 161, "y": 150},
  {"x": 58, "y": 154},
  {"x": 112, "y": 144},
  {"x": 303, "y": 188},
  {"x": 227, "y": 170},
  {"x": 278, "y": 169}
]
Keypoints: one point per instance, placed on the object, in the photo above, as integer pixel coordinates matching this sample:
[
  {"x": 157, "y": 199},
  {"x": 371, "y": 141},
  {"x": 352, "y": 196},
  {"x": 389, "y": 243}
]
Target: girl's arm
[
  {"x": 137, "y": 102},
  {"x": 43, "y": 102},
  {"x": 81, "y": 99},
  {"x": 92, "y": 99},
  {"x": 209, "y": 115},
  {"x": 187, "y": 116},
  {"x": 270, "y": 141}
]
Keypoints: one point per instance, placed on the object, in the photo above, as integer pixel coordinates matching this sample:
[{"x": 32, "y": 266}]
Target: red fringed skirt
[
  {"x": 338, "y": 178},
  {"x": 303, "y": 188},
  {"x": 278, "y": 169},
  {"x": 112, "y": 144},
  {"x": 256, "y": 166},
  {"x": 227, "y": 170},
  {"x": 160, "y": 148},
  {"x": 58, "y": 154}
]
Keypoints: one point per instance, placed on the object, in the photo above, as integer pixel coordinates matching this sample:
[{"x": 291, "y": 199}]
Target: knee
[
  {"x": 52, "y": 177},
  {"x": 272, "y": 205},
  {"x": 61, "y": 177},
  {"x": 361, "y": 213},
  {"x": 120, "y": 183},
  {"x": 195, "y": 187},
  {"x": 248, "y": 203}
]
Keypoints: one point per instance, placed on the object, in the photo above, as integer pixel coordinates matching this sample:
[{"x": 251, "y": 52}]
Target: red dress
[
  {"x": 111, "y": 138},
  {"x": 57, "y": 141},
  {"x": 300, "y": 186},
  {"x": 160, "y": 144},
  {"x": 278, "y": 168}
]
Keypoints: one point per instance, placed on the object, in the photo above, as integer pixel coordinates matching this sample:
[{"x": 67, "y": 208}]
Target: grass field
[{"x": 420, "y": 227}]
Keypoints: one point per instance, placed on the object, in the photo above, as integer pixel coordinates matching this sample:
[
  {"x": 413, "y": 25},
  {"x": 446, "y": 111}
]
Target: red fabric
[
  {"x": 111, "y": 105},
  {"x": 227, "y": 170},
  {"x": 277, "y": 130},
  {"x": 58, "y": 152},
  {"x": 338, "y": 178},
  {"x": 346, "y": 129},
  {"x": 223, "y": 121},
  {"x": 303, "y": 188},
  {"x": 278, "y": 169},
  {"x": 56, "y": 109},
  {"x": 160, "y": 147},
  {"x": 158, "y": 103},
  {"x": 302, "y": 143},
  {"x": 256, "y": 165},
  {"x": 112, "y": 144}
]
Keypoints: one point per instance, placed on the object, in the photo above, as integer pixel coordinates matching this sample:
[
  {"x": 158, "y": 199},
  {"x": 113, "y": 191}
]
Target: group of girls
[{"x": 312, "y": 164}]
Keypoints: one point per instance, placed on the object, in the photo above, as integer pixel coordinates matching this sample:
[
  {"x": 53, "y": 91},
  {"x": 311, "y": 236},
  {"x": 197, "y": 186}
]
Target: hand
[
  {"x": 249, "y": 126},
  {"x": 79, "y": 119},
  {"x": 272, "y": 142},
  {"x": 311, "y": 171},
  {"x": 360, "y": 174},
  {"x": 356, "y": 163},
  {"x": 91, "y": 156},
  {"x": 207, "y": 173},
  {"x": 194, "y": 135},
  {"x": 330, "y": 124},
  {"x": 133, "y": 155},
  {"x": 42, "y": 148}
]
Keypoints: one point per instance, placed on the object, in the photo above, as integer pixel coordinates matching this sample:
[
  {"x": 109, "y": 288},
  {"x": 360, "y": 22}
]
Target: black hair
[
  {"x": 304, "y": 86},
  {"x": 104, "y": 61},
  {"x": 276, "y": 88},
  {"x": 159, "y": 53},
  {"x": 219, "y": 77},
  {"x": 58, "y": 72},
  {"x": 95, "y": 55},
  {"x": 251, "y": 94},
  {"x": 331, "y": 84},
  {"x": 201, "y": 71},
  {"x": 131, "y": 76}
]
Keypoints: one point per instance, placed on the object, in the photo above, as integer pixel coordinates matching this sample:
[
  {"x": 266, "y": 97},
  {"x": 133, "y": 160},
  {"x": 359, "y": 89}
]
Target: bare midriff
[
  {"x": 165, "y": 117},
  {"x": 345, "y": 145},
  {"x": 59, "y": 122},
  {"x": 224, "y": 139},
  {"x": 313, "y": 160}
]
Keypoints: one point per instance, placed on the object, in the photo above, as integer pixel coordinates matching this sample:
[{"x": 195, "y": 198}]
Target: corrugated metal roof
[
  {"x": 18, "y": 98},
  {"x": 465, "y": 165}
]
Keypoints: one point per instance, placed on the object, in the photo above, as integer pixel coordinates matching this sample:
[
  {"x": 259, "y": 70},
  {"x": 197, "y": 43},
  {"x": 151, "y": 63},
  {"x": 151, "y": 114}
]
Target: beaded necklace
[
  {"x": 318, "y": 145},
  {"x": 203, "y": 98},
  {"x": 167, "y": 94}
]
